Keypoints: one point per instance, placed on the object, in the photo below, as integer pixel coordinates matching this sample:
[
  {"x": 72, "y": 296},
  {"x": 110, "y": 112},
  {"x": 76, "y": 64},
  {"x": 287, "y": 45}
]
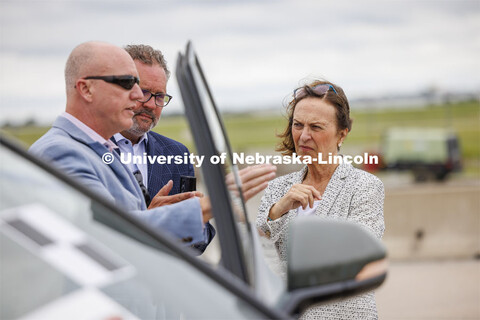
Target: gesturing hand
[
  {"x": 162, "y": 198},
  {"x": 254, "y": 179},
  {"x": 299, "y": 195}
]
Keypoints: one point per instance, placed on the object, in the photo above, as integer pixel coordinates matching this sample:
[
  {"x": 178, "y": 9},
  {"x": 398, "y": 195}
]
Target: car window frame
[{"x": 231, "y": 250}]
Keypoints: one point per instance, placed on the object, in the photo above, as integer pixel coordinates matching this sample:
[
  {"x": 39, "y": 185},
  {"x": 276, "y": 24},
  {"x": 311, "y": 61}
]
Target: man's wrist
[{"x": 206, "y": 208}]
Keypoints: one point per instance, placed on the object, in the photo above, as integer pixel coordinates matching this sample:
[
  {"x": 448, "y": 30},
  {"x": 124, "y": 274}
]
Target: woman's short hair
[{"x": 335, "y": 97}]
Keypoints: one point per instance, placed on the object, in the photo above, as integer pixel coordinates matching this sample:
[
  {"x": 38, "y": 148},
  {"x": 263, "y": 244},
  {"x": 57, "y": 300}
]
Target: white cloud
[{"x": 254, "y": 53}]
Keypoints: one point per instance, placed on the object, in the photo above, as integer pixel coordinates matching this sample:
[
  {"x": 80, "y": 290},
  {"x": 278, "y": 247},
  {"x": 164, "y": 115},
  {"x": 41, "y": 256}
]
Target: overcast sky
[{"x": 254, "y": 53}]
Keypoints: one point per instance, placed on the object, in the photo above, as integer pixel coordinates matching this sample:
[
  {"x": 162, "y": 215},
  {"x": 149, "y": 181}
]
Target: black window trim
[{"x": 232, "y": 257}]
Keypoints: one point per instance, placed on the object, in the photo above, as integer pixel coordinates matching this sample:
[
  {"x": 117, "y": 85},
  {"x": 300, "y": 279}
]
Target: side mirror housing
[{"x": 330, "y": 259}]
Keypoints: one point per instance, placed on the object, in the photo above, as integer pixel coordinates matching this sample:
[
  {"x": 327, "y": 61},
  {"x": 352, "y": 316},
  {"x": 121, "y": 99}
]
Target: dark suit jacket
[{"x": 158, "y": 175}]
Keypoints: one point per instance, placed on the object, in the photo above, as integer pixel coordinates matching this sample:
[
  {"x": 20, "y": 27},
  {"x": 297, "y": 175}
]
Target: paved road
[
  {"x": 424, "y": 288},
  {"x": 431, "y": 290}
]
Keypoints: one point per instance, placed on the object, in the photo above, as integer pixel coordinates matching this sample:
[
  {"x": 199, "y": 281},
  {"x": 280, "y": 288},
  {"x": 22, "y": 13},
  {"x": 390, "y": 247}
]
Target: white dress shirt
[
  {"x": 137, "y": 149},
  {"x": 308, "y": 211}
]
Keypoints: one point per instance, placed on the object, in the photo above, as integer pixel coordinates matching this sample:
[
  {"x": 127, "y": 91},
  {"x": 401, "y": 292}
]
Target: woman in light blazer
[{"x": 318, "y": 122}]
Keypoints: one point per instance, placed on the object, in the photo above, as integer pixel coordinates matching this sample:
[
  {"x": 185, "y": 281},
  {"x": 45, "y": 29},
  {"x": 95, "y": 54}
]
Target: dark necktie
[
  {"x": 146, "y": 195},
  {"x": 139, "y": 177}
]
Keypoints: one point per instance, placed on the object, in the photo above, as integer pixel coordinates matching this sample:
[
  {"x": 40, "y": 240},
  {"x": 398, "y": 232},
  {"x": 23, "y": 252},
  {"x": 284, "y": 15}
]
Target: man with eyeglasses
[{"x": 139, "y": 139}]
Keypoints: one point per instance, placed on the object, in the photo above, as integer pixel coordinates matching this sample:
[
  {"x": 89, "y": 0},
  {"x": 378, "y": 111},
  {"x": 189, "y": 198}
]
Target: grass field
[
  {"x": 257, "y": 132},
  {"x": 250, "y": 132}
]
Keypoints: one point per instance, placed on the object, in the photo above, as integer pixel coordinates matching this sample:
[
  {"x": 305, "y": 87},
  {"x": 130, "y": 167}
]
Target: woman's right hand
[{"x": 298, "y": 195}]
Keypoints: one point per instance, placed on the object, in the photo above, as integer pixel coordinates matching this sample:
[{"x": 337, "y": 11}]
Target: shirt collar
[
  {"x": 89, "y": 131},
  {"x": 119, "y": 137}
]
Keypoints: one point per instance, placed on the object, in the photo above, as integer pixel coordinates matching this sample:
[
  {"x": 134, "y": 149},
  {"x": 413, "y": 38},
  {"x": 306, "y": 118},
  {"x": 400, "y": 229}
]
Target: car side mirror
[{"x": 330, "y": 259}]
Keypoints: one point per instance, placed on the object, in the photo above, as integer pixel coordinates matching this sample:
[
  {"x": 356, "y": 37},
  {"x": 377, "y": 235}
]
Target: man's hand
[
  {"x": 206, "y": 209},
  {"x": 162, "y": 198},
  {"x": 254, "y": 179}
]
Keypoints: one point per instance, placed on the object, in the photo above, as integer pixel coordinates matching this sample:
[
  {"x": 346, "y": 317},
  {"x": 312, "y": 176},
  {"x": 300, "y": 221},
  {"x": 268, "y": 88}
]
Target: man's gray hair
[{"x": 147, "y": 55}]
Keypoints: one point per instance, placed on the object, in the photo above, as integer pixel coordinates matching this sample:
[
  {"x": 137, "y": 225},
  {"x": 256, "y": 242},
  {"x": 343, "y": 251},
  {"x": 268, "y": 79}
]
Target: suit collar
[
  {"x": 341, "y": 172},
  {"x": 72, "y": 130},
  {"x": 334, "y": 187},
  {"x": 123, "y": 174},
  {"x": 88, "y": 131},
  {"x": 152, "y": 148},
  {"x": 117, "y": 137},
  {"x": 121, "y": 171}
]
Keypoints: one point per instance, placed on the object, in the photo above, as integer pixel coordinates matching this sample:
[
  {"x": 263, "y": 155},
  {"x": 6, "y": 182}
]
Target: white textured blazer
[{"x": 352, "y": 195}]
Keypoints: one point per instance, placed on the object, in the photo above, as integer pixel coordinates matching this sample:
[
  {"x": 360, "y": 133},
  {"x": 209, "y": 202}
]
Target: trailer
[{"x": 427, "y": 152}]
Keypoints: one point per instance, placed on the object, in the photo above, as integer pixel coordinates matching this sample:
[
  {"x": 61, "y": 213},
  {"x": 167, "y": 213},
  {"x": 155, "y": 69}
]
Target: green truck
[{"x": 427, "y": 152}]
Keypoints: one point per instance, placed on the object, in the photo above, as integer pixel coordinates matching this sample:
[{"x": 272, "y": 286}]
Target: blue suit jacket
[
  {"x": 160, "y": 174},
  {"x": 81, "y": 158}
]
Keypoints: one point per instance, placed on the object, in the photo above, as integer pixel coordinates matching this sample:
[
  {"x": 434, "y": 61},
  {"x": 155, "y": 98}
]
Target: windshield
[{"x": 76, "y": 254}]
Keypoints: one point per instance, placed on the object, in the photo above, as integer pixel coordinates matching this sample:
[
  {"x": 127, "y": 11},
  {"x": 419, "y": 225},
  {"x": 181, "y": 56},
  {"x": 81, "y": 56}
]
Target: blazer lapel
[
  {"x": 115, "y": 141},
  {"x": 296, "y": 178},
  {"x": 149, "y": 149},
  {"x": 334, "y": 187},
  {"x": 117, "y": 150},
  {"x": 122, "y": 173},
  {"x": 154, "y": 175}
]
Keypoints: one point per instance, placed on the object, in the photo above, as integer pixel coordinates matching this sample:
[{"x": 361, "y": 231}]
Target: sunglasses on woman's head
[
  {"x": 319, "y": 89},
  {"x": 126, "y": 82}
]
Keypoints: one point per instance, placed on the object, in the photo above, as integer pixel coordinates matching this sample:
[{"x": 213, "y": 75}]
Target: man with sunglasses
[
  {"x": 102, "y": 92},
  {"x": 139, "y": 139}
]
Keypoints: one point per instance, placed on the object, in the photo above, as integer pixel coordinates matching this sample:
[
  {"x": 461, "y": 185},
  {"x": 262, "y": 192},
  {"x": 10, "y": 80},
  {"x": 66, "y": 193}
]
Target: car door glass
[{"x": 222, "y": 148}]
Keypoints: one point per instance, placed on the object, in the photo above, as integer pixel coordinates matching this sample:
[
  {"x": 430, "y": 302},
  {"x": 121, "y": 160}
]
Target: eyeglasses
[
  {"x": 161, "y": 99},
  {"x": 126, "y": 82},
  {"x": 319, "y": 90}
]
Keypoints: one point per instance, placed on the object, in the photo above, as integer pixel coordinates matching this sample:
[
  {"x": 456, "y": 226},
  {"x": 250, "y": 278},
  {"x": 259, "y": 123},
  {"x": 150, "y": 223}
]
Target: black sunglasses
[{"x": 127, "y": 82}]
